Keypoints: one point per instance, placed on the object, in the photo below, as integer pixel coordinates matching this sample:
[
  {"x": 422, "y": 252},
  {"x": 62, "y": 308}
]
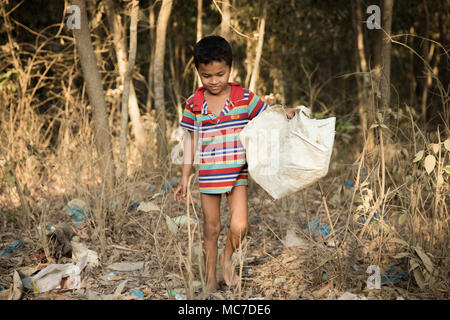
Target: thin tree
[
  {"x": 127, "y": 85},
  {"x": 385, "y": 80},
  {"x": 225, "y": 28},
  {"x": 259, "y": 48},
  {"x": 119, "y": 39},
  {"x": 96, "y": 96},
  {"x": 102, "y": 136},
  {"x": 158, "y": 81},
  {"x": 199, "y": 19},
  {"x": 199, "y": 33},
  {"x": 365, "y": 107},
  {"x": 428, "y": 51},
  {"x": 151, "y": 22}
]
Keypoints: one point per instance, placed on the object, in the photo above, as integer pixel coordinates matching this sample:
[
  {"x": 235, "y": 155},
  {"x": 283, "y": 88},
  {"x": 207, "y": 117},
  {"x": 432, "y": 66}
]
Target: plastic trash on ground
[
  {"x": 173, "y": 224},
  {"x": 78, "y": 251},
  {"x": 126, "y": 266},
  {"x": 173, "y": 228},
  {"x": 352, "y": 296},
  {"x": 8, "y": 250},
  {"x": 182, "y": 220},
  {"x": 285, "y": 156},
  {"x": 178, "y": 296},
  {"x": 349, "y": 183},
  {"x": 137, "y": 293},
  {"x": 112, "y": 276},
  {"x": 57, "y": 276},
  {"x": 317, "y": 228},
  {"x": 78, "y": 211},
  {"x": 292, "y": 240},
  {"x": 393, "y": 276},
  {"x": 148, "y": 206}
]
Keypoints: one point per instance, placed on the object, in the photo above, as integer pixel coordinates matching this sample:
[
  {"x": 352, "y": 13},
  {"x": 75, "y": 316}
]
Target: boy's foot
[
  {"x": 228, "y": 275},
  {"x": 211, "y": 287}
]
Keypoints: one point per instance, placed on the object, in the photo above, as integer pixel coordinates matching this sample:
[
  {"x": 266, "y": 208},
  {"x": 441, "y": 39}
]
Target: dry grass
[{"x": 48, "y": 158}]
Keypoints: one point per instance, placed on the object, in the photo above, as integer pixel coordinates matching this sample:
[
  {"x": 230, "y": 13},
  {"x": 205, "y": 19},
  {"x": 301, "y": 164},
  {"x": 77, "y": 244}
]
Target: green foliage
[
  {"x": 344, "y": 126},
  {"x": 8, "y": 80}
]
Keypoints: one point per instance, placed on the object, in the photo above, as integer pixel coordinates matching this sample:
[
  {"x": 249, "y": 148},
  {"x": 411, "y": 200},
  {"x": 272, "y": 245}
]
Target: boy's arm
[{"x": 188, "y": 156}]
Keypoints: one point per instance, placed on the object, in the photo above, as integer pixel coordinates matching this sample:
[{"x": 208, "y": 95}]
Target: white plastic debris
[
  {"x": 60, "y": 276},
  {"x": 332, "y": 243},
  {"x": 291, "y": 240},
  {"x": 112, "y": 276},
  {"x": 78, "y": 251},
  {"x": 126, "y": 266},
  {"x": 174, "y": 223},
  {"x": 182, "y": 220},
  {"x": 172, "y": 226},
  {"x": 352, "y": 296},
  {"x": 147, "y": 207}
]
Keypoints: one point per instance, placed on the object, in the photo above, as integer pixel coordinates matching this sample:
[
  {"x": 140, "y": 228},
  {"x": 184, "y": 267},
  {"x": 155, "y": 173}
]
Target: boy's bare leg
[
  {"x": 237, "y": 201},
  {"x": 211, "y": 230}
]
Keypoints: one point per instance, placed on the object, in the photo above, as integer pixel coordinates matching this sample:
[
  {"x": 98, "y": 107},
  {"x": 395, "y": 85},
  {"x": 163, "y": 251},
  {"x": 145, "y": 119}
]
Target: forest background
[{"x": 92, "y": 112}]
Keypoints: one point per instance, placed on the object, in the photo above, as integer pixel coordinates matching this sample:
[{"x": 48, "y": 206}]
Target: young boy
[{"x": 217, "y": 112}]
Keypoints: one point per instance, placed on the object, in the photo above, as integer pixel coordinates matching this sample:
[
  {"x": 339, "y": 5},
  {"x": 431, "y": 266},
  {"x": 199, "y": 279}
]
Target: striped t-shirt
[{"x": 222, "y": 156}]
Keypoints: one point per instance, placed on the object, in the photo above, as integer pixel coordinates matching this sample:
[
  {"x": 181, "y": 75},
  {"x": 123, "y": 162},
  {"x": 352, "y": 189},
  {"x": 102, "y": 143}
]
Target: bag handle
[
  {"x": 305, "y": 110},
  {"x": 302, "y": 108}
]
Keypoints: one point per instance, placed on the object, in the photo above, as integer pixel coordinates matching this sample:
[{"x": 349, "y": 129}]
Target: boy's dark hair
[{"x": 212, "y": 48}]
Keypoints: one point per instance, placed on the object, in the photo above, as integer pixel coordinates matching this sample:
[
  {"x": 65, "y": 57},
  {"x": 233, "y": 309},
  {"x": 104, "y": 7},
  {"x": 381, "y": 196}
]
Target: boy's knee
[
  {"x": 238, "y": 228},
  {"x": 211, "y": 229}
]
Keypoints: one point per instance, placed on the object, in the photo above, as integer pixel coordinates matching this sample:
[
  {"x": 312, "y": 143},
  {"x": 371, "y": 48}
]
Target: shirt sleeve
[
  {"x": 189, "y": 120},
  {"x": 256, "y": 106}
]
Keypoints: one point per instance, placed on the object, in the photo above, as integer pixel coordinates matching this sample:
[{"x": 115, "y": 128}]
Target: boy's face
[{"x": 214, "y": 76}]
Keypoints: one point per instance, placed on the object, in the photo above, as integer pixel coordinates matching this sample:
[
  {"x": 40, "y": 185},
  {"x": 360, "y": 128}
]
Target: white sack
[{"x": 285, "y": 156}]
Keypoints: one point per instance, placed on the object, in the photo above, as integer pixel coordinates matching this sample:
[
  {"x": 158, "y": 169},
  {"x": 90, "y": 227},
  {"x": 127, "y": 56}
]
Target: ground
[{"x": 269, "y": 265}]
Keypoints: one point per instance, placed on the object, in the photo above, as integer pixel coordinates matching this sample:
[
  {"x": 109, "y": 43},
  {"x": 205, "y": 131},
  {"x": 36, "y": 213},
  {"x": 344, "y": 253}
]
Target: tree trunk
[
  {"x": 120, "y": 46},
  {"x": 96, "y": 96},
  {"x": 127, "y": 86},
  {"x": 199, "y": 19},
  {"x": 365, "y": 107},
  {"x": 248, "y": 63},
  {"x": 151, "y": 19},
  {"x": 411, "y": 75},
  {"x": 199, "y": 35},
  {"x": 158, "y": 82},
  {"x": 427, "y": 54},
  {"x": 102, "y": 136},
  {"x": 262, "y": 26},
  {"x": 226, "y": 20},
  {"x": 385, "y": 81},
  {"x": 176, "y": 92}
]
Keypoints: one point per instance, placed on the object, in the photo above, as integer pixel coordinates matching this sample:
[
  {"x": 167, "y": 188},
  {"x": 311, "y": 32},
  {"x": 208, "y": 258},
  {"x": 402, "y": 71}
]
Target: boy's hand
[
  {"x": 290, "y": 112},
  {"x": 181, "y": 189}
]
